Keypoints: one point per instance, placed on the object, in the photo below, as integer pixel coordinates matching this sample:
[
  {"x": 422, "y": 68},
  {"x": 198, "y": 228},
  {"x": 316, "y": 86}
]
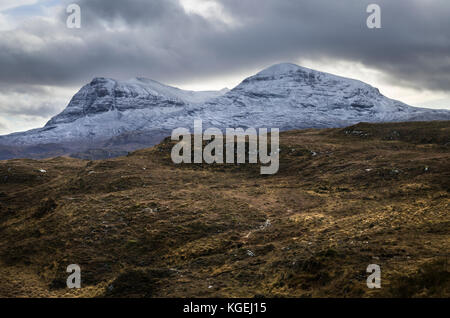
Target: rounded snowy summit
[{"x": 282, "y": 68}]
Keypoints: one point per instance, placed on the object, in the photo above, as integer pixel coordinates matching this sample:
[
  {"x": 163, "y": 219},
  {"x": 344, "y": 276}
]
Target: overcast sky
[{"x": 211, "y": 44}]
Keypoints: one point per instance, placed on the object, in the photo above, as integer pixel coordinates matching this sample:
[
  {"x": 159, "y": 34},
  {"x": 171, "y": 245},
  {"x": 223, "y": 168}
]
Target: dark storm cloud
[{"x": 158, "y": 39}]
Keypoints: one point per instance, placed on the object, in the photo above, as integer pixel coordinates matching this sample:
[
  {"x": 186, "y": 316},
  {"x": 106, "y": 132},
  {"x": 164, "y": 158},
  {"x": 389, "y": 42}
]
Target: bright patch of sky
[
  {"x": 209, "y": 9},
  {"x": 14, "y": 12}
]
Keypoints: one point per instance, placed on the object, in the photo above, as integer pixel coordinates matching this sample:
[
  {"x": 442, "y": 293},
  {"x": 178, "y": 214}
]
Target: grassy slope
[{"x": 142, "y": 226}]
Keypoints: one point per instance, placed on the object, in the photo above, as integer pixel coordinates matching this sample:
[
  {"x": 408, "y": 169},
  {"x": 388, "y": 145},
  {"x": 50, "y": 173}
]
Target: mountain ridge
[{"x": 285, "y": 96}]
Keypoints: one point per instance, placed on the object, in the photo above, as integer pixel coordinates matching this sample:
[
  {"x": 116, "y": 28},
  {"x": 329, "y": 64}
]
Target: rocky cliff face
[{"x": 140, "y": 112}]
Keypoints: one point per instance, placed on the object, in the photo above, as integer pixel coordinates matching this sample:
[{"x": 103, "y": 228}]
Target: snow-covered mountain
[
  {"x": 126, "y": 115},
  {"x": 289, "y": 96},
  {"x": 107, "y": 108}
]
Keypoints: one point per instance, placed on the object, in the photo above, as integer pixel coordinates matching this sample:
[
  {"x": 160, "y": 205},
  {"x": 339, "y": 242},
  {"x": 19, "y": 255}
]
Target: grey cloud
[
  {"x": 132, "y": 12},
  {"x": 44, "y": 109},
  {"x": 158, "y": 39},
  {"x": 413, "y": 46},
  {"x": 31, "y": 100}
]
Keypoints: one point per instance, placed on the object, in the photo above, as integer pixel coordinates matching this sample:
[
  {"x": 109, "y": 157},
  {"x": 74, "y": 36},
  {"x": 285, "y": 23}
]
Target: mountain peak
[
  {"x": 101, "y": 81},
  {"x": 283, "y": 95},
  {"x": 282, "y": 68}
]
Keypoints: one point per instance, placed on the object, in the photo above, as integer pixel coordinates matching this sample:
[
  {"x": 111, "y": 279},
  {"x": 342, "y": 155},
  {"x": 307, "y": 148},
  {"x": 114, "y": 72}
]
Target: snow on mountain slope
[
  {"x": 141, "y": 111},
  {"x": 103, "y": 95},
  {"x": 289, "y": 96},
  {"x": 105, "y": 108}
]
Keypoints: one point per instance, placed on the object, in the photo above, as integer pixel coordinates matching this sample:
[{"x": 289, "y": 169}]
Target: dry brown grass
[{"x": 142, "y": 226}]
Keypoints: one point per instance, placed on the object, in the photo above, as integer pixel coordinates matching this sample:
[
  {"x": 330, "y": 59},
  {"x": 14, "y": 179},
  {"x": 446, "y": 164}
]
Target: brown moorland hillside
[{"x": 141, "y": 226}]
